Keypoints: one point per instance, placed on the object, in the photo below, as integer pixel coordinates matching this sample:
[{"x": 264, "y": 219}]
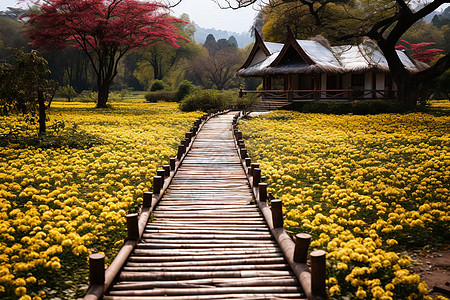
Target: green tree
[
  {"x": 66, "y": 91},
  {"x": 24, "y": 87}
]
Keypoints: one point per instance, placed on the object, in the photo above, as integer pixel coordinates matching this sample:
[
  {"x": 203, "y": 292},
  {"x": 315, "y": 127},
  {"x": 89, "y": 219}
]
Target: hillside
[{"x": 243, "y": 38}]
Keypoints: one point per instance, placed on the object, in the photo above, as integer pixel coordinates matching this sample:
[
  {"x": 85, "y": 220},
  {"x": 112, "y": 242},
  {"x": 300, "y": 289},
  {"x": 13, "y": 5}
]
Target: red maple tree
[
  {"x": 104, "y": 29},
  {"x": 418, "y": 51}
]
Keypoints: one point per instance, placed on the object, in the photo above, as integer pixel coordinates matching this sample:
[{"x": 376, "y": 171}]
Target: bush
[
  {"x": 376, "y": 106},
  {"x": 205, "y": 100},
  {"x": 157, "y": 85},
  {"x": 67, "y": 92},
  {"x": 316, "y": 107},
  {"x": 169, "y": 96},
  {"x": 184, "y": 88}
]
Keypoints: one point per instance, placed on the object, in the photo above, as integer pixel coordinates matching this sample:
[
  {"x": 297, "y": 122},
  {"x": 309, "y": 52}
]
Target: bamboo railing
[
  {"x": 313, "y": 278},
  {"x": 100, "y": 278}
]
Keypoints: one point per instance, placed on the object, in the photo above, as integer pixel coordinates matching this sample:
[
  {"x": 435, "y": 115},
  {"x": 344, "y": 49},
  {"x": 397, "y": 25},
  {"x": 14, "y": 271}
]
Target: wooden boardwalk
[{"x": 208, "y": 239}]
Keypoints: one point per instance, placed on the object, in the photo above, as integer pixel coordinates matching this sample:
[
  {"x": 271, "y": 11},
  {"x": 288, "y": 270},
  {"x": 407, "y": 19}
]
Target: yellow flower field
[
  {"x": 365, "y": 187},
  {"x": 57, "y": 205}
]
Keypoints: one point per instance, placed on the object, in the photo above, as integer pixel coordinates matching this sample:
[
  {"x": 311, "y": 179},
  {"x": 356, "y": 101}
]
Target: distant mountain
[{"x": 243, "y": 39}]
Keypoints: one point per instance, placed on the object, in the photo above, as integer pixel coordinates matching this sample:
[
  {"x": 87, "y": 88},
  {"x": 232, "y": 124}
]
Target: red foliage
[
  {"x": 105, "y": 29},
  {"x": 101, "y": 24},
  {"x": 418, "y": 52}
]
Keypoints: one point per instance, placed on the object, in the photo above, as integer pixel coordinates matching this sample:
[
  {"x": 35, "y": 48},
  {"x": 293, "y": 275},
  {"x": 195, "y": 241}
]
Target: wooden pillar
[
  {"x": 244, "y": 154},
  {"x": 239, "y": 135},
  {"x": 147, "y": 199},
  {"x": 132, "y": 227},
  {"x": 161, "y": 172},
  {"x": 166, "y": 170},
  {"x": 318, "y": 273},
  {"x": 253, "y": 166},
  {"x": 277, "y": 213},
  {"x": 96, "y": 268},
  {"x": 181, "y": 150},
  {"x": 262, "y": 192},
  {"x": 302, "y": 241},
  {"x": 248, "y": 161},
  {"x": 172, "y": 163},
  {"x": 256, "y": 176},
  {"x": 157, "y": 184}
]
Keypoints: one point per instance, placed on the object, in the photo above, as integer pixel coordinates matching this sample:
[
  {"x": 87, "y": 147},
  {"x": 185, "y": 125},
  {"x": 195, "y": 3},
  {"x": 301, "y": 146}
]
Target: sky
[{"x": 204, "y": 13}]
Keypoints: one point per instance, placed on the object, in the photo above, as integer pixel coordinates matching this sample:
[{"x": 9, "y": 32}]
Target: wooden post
[
  {"x": 248, "y": 161},
  {"x": 161, "y": 172},
  {"x": 187, "y": 141},
  {"x": 166, "y": 170},
  {"x": 188, "y": 137},
  {"x": 157, "y": 184},
  {"x": 263, "y": 192},
  {"x": 277, "y": 213},
  {"x": 302, "y": 241},
  {"x": 318, "y": 273},
  {"x": 172, "y": 163},
  {"x": 132, "y": 227},
  {"x": 239, "y": 135},
  {"x": 256, "y": 176},
  {"x": 244, "y": 153},
  {"x": 253, "y": 167},
  {"x": 263, "y": 179},
  {"x": 96, "y": 268},
  {"x": 183, "y": 142},
  {"x": 181, "y": 149},
  {"x": 147, "y": 201}
]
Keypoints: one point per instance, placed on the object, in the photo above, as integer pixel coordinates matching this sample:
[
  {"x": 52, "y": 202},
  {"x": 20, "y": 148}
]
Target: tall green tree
[{"x": 24, "y": 87}]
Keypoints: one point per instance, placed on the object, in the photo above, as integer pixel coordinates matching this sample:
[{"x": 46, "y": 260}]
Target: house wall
[
  {"x": 346, "y": 81},
  {"x": 380, "y": 83},
  {"x": 323, "y": 84},
  {"x": 368, "y": 83}
]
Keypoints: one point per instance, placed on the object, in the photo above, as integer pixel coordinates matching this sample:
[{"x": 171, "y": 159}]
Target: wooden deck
[{"x": 208, "y": 239}]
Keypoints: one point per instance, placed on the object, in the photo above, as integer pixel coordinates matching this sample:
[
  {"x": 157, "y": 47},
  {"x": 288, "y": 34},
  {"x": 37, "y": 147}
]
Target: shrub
[
  {"x": 316, "y": 107},
  {"x": 376, "y": 106},
  {"x": 157, "y": 85},
  {"x": 205, "y": 100},
  {"x": 66, "y": 92},
  {"x": 184, "y": 88},
  {"x": 169, "y": 96}
]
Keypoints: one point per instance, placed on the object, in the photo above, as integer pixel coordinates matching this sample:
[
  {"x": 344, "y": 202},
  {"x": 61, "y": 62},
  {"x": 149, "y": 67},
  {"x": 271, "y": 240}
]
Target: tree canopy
[{"x": 104, "y": 29}]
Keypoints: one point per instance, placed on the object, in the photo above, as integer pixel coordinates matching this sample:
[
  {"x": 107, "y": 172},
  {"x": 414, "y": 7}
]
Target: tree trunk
[
  {"x": 408, "y": 91},
  {"x": 103, "y": 93},
  {"x": 42, "y": 116}
]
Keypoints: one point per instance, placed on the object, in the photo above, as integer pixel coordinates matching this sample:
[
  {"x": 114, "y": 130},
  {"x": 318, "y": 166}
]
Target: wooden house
[{"x": 306, "y": 70}]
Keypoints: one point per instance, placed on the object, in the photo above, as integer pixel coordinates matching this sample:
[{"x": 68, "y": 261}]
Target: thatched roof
[{"x": 316, "y": 56}]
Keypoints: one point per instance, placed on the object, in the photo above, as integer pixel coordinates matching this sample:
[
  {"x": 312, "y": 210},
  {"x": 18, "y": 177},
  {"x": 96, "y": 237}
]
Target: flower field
[
  {"x": 59, "y": 204},
  {"x": 365, "y": 188}
]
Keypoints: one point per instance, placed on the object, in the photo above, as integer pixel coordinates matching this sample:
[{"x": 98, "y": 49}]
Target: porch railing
[{"x": 308, "y": 95}]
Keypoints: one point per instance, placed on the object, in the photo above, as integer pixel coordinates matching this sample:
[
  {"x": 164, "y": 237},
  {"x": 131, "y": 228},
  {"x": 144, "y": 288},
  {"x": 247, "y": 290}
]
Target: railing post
[
  {"x": 256, "y": 176},
  {"x": 318, "y": 273},
  {"x": 302, "y": 241},
  {"x": 238, "y": 135},
  {"x": 157, "y": 184},
  {"x": 181, "y": 150},
  {"x": 253, "y": 166},
  {"x": 248, "y": 162},
  {"x": 166, "y": 170},
  {"x": 244, "y": 153},
  {"x": 277, "y": 213},
  {"x": 161, "y": 172},
  {"x": 263, "y": 192},
  {"x": 132, "y": 227},
  {"x": 96, "y": 268},
  {"x": 172, "y": 163},
  {"x": 147, "y": 199}
]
